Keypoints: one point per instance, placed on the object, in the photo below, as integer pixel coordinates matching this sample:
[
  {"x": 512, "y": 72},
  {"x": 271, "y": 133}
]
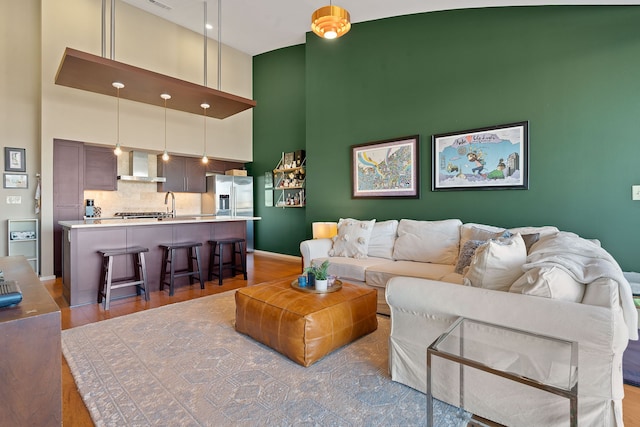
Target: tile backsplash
[{"x": 135, "y": 196}]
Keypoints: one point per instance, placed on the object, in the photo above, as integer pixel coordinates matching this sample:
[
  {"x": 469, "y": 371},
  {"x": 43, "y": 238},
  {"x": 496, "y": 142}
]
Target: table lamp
[{"x": 324, "y": 230}]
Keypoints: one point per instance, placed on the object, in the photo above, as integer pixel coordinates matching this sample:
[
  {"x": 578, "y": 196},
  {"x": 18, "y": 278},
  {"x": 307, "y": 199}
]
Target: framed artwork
[
  {"x": 16, "y": 180},
  {"x": 491, "y": 158},
  {"x": 386, "y": 168},
  {"x": 14, "y": 160}
]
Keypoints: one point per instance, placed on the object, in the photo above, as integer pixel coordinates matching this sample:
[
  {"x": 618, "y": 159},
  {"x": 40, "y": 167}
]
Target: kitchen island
[{"x": 82, "y": 239}]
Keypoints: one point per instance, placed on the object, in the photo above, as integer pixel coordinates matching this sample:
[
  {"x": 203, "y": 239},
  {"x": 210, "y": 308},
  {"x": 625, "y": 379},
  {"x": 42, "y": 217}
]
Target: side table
[{"x": 471, "y": 343}]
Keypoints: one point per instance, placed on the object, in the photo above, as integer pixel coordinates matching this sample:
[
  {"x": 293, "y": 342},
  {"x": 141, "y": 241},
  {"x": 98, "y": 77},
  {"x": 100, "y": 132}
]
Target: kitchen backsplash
[{"x": 141, "y": 196}]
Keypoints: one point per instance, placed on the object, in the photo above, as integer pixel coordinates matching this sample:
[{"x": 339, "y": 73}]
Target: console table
[{"x": 30, "y": 352}]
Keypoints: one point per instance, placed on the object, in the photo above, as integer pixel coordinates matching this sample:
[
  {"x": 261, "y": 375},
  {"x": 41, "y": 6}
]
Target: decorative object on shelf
[
  {"x": 165, "y": 155},
  {"x": 16, "y": 180},
  {"x": 204, "y": 106},
  {"x": 289, "y": 180},
  {"x": 490, "y": 158},
  {"x": 388, "y": 168},
  {"x": 15, "y": 159},
  {"x": 22, "y": 239},
  {"x": 117, "y": 151},
  {"x": 324, "y": 230},
  {"x": 331, "y": 21},
  {"x": 22, "y": 235}
]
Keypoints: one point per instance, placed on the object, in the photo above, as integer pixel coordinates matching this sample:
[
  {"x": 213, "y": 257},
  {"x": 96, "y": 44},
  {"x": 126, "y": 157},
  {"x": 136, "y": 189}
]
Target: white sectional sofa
[{"x": 538, "y": 279}]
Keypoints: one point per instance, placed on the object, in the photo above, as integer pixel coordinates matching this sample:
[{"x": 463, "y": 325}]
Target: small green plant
[{"x": 320, "y": 272}]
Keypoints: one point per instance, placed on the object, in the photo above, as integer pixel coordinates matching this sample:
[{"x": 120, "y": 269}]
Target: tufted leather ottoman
[{"x": 305, "y": 326}]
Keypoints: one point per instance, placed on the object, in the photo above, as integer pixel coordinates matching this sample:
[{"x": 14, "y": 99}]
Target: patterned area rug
[
  {"x": 185, "y": 365},
  {"x": 631, "y": 364}
]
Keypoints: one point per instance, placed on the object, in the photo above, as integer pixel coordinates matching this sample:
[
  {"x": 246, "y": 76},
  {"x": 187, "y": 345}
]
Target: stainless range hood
[{"x": 139, "y": 169}]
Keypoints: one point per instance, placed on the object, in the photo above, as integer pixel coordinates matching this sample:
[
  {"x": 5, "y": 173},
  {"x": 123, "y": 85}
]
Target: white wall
[
  {"x": 19, "y": 102},
  {"x": 145, "y": 41}
]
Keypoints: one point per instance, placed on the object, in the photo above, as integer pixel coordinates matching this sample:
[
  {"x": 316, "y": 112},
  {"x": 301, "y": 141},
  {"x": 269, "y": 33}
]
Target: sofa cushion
[
  {"x": 352, "y": 239},
  {"x": 351, "y": 268},
  {"x": 428, "y": 241},
  {"x": 550, "y": 282},
  {"x": 497, "y": 264},
  {"x": 383, "y": 237},
  {"x": 378, "y": 275}
]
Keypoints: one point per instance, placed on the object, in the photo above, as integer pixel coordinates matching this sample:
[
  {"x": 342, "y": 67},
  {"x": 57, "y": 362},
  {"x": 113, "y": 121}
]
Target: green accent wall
[{"x": 571, "y": 71}]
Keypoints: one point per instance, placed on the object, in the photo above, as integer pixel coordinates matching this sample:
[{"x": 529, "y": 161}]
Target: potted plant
[{"x": 318, "y": 275}]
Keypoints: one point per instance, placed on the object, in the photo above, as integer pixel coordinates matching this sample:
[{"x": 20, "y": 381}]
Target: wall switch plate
[
  {"x": 16, "y": 200},
  {"x": 635, "y": 192}
]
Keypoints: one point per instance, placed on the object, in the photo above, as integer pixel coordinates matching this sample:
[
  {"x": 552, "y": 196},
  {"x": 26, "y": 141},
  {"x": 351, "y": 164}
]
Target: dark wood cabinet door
[
  {"x": 173, "y": 170},
  {"x": 195, "y": 173},
  {"x": 100, "y": 169}
]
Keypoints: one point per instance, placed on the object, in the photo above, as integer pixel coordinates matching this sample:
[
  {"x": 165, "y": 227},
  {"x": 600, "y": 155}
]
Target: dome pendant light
[
  {"x": 117, "y": 151},
  {"x": 330, "y": 22},
  {"x": 165, "y": 155},
  {"x": 204, "y": 106}
]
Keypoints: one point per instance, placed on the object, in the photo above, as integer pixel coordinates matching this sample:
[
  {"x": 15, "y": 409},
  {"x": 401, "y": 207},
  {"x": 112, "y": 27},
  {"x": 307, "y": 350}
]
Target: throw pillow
[
  {"x": 549, "y": 282},
  {"x": 352, "y": 239},
  {"x": 466, "y": 254},
  {"x": 530, "y": 239},
  {"x": 382, "y": 239},
  {"x": 497, "y": 264},
  {"x": 428, "y": 241},
  {"x": 474, "y": 231}
]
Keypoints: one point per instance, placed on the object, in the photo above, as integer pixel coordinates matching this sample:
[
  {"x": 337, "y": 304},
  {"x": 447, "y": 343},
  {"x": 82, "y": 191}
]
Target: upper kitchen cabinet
[
  {"x": 183, "y": 174},
  {"x": 100, "y": 168}
]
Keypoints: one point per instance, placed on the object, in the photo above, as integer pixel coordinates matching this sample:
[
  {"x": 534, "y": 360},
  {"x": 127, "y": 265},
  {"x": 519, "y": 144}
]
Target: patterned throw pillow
[
  {"x": 352, "y": 239},
  {"x": 466, "y": 254}
]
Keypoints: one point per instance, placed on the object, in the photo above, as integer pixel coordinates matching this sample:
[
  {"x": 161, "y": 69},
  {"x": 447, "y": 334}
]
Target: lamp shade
[
  {"x": 330, "y": 22},
  {"x": 324, "y": 230}
]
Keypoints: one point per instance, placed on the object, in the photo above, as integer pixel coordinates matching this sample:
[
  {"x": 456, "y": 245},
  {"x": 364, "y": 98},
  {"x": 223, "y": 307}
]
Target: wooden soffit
[{"x": 93, "y": 73}]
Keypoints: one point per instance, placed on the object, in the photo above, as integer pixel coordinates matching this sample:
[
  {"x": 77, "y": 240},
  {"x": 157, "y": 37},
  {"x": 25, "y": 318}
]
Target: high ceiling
[{"x": 258, "y": 26}]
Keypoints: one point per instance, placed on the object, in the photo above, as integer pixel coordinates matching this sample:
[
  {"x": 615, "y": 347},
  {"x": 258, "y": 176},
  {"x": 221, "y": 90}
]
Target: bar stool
[
  {"x": 217, "y": 251},
  {"x": 107, "y": 282},
  {"x": 168, "y": 261}
]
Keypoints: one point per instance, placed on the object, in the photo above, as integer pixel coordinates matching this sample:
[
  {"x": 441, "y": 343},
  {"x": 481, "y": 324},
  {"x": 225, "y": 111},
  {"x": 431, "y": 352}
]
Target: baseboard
[
  {"x": 277, "y": 255},
  {"x": 45, "y": 278}
]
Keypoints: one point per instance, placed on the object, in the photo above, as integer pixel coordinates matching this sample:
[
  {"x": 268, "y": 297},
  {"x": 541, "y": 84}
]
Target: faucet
[{"x": 173, "y": 202}]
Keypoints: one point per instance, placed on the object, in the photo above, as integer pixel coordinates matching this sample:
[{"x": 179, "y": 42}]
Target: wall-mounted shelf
[
  {"x": 23, "y": 239},
  {"x": 289, "y": 181},
  {"x": 93, "y": 73}
]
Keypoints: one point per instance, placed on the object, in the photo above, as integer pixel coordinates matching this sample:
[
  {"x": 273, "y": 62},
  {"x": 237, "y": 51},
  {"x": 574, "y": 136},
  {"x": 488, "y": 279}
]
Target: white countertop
[{"x": 186, "y": 219}]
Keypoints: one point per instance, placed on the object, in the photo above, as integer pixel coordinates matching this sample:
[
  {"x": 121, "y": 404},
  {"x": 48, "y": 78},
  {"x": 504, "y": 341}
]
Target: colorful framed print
[
  {"x": 388, "y": 168},
  {"x": 491, "y": 158}
]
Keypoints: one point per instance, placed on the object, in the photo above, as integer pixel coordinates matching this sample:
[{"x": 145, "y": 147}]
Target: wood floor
[{"x": 261, "y": 268}]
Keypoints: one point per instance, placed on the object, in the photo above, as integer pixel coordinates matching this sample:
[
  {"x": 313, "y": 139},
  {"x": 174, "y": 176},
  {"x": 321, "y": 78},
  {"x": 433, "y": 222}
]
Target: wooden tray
[{"x": 337, "y": 285}]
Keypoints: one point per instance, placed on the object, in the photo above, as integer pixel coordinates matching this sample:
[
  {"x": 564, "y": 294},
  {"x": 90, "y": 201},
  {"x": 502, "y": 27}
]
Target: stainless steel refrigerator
[{"x": 229, "y": 195}]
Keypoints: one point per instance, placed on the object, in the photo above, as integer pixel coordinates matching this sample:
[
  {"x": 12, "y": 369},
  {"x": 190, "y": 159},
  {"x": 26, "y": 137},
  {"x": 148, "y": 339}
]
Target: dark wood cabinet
[
  {"x": 183, "y": 174},
  {"x": 100, "y": 169},
  {"x": 31, "y": 392}
]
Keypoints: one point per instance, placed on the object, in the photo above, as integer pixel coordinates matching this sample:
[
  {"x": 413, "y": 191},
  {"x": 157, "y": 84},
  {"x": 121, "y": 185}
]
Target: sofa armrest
[{"x": 316, "y": 248}]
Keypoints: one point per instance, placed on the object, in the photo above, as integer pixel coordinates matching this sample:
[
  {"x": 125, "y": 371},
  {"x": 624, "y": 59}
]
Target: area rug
[{"x": 185, "y": 365}]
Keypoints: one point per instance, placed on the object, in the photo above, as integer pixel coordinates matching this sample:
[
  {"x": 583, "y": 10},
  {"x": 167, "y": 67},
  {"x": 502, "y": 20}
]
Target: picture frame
[
  {"x": 489, "y": 158},
  {"x": 15, "y": 159},
  {"x": 388, "y": 168},
  {"x": 16, "y": 180}
]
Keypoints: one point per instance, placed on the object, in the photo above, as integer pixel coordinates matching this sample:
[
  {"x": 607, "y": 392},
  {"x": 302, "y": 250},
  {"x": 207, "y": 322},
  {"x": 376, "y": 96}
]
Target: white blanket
[{"x": 585, "y": 262}]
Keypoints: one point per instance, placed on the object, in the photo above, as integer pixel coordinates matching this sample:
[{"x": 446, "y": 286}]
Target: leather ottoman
[{"x": 305, "y": 326}]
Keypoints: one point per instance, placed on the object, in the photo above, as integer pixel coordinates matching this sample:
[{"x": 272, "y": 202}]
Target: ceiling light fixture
[
  {"x": 204, "y": 106},
  {"x": 165, "y": 155},
  {"x": 330, "y": 22},
  {"x": 117, "y": 151}
]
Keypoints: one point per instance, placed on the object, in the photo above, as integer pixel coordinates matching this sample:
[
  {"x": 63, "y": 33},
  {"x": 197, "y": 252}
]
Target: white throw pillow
[
  {"x": 383, "y": 238},
  {"x": 549, "y": 282},
  {"x": 428, "y": 241},
  {"x": 497, "y": 264},
  {"x": 352, "y": 239}
]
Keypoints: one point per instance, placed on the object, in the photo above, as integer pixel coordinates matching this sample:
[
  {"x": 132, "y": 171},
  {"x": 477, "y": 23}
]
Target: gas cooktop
[{"x": 133, "y": 215}]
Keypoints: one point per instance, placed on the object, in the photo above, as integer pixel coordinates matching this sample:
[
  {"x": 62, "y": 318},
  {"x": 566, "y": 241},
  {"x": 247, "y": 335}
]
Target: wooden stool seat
[
  {"x": 108, "y": 283},
  {"x": 168, "y": 261},
  {"x": 217, "y": 252}
]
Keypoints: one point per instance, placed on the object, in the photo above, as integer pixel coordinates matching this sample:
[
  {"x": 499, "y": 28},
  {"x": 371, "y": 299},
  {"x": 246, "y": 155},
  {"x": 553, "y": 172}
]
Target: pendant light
[
  {"x": 331, "y": 21},
  {"x": 165, "y": 155},
  {"x": 117, "y": 151},
  {"x": 204, "y": 106}
]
